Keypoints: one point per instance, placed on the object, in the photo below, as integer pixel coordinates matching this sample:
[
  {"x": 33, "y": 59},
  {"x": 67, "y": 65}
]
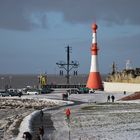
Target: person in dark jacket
[
  {"x": 113, "y": 98},
  {"x": 41, "y": 132},
  {"x": 108, "y": 98},
  {"x": 27, "y": 136}
]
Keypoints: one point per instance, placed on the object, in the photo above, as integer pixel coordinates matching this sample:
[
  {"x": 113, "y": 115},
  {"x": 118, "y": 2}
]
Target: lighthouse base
[{"x": 94, "y": 81}]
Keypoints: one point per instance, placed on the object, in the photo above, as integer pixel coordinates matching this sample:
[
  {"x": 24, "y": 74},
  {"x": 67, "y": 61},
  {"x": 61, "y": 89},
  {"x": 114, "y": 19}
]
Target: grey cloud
[
  {"x": 11, "y": 16},
  {"x": 16, "y": 14},
  {"x": 21, "y": 15}
]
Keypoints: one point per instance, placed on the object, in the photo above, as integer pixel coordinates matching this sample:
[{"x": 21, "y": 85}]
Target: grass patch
[
  {"x": 89, "y": 108},
  {"x": 104, "y": 106}
]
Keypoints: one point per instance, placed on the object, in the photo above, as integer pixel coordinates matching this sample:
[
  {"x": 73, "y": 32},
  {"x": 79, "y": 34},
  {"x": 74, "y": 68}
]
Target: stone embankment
[{"x": 13, "y": 110}]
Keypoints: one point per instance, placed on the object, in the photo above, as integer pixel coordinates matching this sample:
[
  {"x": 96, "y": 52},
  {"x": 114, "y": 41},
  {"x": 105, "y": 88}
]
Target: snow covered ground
[
  {"x": 107, "y": 121},
  {"x": 94, "y": 120},
  {"x": 113, "y": 121},
  {"x": 97, "y": 119}
]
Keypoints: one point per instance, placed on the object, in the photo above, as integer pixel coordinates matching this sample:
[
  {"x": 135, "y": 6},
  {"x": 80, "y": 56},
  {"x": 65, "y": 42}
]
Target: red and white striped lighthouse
[{"x": 94, "y": 79}]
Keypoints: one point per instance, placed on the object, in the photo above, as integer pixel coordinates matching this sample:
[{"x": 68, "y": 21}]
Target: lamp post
[{"x": 10, "y": 81}]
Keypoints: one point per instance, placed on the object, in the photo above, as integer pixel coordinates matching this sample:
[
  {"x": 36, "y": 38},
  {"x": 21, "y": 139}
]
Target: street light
[{"x": 10, "y": 81}]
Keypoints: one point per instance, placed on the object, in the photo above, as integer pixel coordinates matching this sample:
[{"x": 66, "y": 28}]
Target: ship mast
[{"x": 113, "y": 68}]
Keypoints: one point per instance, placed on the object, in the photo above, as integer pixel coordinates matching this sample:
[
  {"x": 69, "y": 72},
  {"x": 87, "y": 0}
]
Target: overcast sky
[{"x": 34, "y": 34}]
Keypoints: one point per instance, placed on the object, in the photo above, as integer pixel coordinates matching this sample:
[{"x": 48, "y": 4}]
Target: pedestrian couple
[
  {"x": 28, "y": 136},
  {"x": 41, "y": 133},
  {"x": 110, "y": 97}
]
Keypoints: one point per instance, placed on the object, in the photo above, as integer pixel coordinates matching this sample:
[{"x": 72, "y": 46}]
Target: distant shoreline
[{"x": 23, "y": 80}]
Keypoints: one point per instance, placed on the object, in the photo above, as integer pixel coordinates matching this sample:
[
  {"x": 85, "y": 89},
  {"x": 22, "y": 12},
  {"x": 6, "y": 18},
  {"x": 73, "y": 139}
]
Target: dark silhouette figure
[
  {"x": 41, "y": 113},
  {"x": 19, "y": 94},
  {"x": 65, "y": 96},
  {"x": 113, "y": 98},
  {"x": 108, "y": 98},
  {"x": 124, "y": 92},
  {"x": 27, "y": 136},
  {"x": 41, "y": 132},
  {"x": 38, "y": 137}
]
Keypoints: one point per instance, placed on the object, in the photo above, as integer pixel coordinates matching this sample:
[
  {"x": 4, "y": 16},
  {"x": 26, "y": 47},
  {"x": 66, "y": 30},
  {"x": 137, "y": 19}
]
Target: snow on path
[{"x": 26, "y": 123}]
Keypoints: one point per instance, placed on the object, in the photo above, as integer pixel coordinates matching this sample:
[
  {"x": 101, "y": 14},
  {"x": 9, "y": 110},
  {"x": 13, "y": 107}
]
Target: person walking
[
  {"x": 27, "y": 136},
  {"x": 41, "y": 113},
  {"x": 124, "y": 92},
  {"x": 68, "y": 113},
  {"x": 113, "y": 98},
  {"x": 41, "y": 132},
  {"x": 108, "y": 98}
]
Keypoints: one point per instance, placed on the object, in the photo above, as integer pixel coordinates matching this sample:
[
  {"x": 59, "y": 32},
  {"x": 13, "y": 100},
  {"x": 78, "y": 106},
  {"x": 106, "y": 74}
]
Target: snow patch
[{"x": 26, "y": 124}]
